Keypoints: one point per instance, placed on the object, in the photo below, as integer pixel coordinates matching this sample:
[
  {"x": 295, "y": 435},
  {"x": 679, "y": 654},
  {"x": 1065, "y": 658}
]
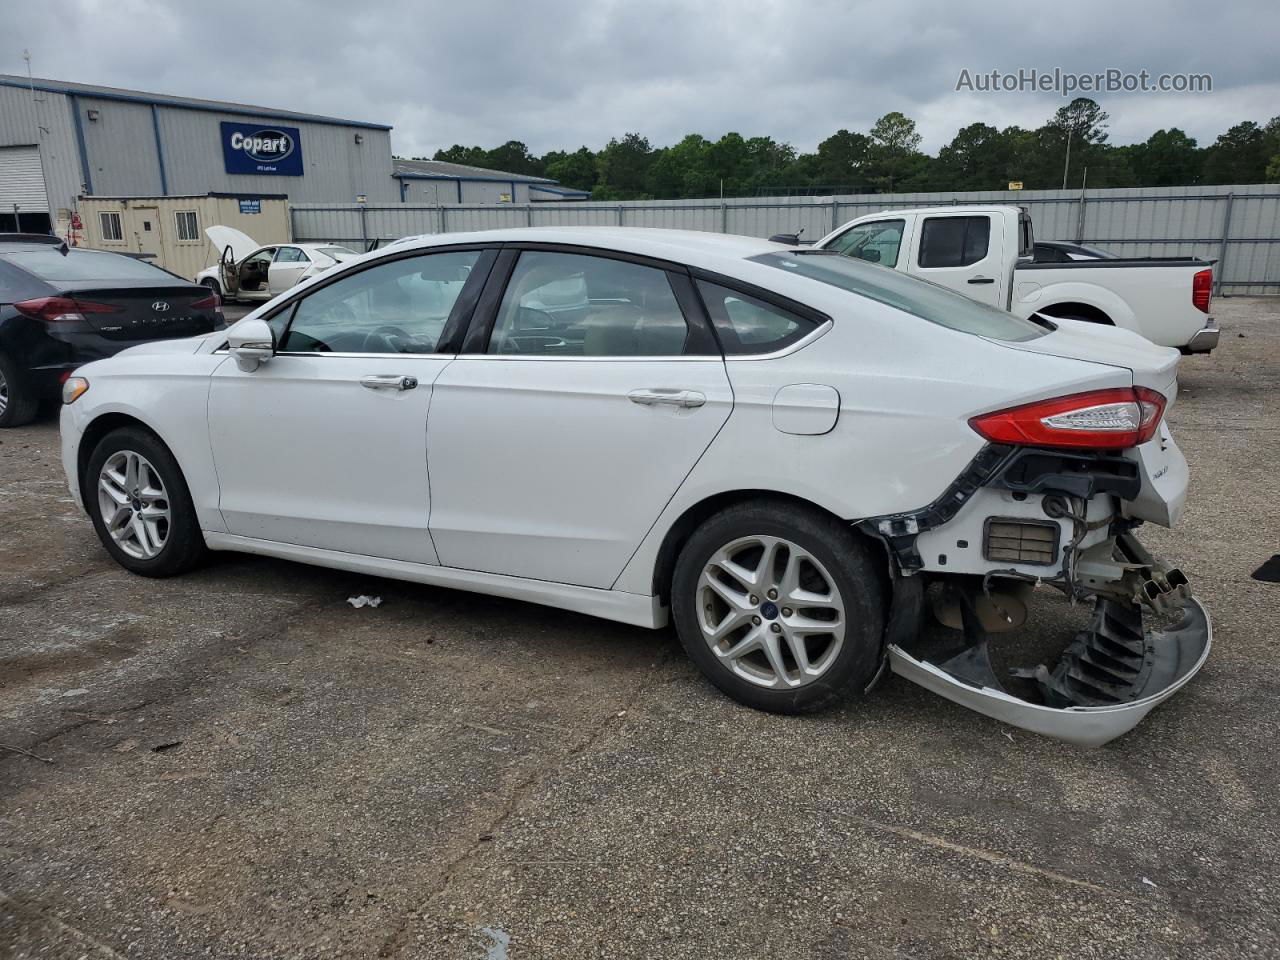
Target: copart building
[{"x": 147, "y": 172}]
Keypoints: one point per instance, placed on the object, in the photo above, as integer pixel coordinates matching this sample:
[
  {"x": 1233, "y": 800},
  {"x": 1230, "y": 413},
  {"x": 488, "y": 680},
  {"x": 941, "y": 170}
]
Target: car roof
[
  {"x": 692, "y": 247},
  {"x": 957, "y": 209}
]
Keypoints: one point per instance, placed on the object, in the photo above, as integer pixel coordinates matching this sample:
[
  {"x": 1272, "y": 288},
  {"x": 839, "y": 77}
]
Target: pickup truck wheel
[
  {"x": 780, "y": 607},
  {"x": 140, "y": 505},
  {"x": 18, "y": 402}
]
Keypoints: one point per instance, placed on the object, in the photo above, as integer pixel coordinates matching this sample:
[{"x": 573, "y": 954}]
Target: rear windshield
[
  {"x": 86, "y": 265},
  {"x": 337, "y": 253},
  {"x": 921, "y": 298}
]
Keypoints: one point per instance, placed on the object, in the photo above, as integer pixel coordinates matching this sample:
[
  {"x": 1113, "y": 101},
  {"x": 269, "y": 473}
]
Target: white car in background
[
  {"x": 778, "y": 450},
  {"x": 248, "y": 270}
]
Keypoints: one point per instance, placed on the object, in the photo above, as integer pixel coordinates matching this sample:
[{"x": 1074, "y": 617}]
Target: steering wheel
[{"x": 386, "y": 334}]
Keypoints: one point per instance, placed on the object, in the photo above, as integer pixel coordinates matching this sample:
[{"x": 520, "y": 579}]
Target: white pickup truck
[{"x": 986, "y": 253}]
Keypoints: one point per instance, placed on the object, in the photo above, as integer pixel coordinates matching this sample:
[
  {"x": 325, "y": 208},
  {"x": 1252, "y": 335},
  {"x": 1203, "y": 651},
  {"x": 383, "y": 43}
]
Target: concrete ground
[{"x": 237, "y": 763}]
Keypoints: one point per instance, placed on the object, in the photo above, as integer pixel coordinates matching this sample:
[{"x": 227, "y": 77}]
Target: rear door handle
[
  {"x": 389, "y": 381},
  {"x": 982, "y": 280},
  {"x": 674, "y": 398}
]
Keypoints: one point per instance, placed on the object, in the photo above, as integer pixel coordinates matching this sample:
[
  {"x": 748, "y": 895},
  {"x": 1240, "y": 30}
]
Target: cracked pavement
[{"x": 236, "y": 763}]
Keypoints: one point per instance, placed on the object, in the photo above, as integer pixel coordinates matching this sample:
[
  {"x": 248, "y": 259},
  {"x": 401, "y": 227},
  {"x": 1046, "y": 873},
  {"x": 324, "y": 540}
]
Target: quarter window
[
  {"x": 877, "y": 242},
  {"x": 569, "y": 305},
  {"x": 747, "y": 325},
  {"x": 396, "y": 307},
  {"x": 188, "y": 226},
  {"x": 111, "y": 229},
  {"x": 954, "y": 241}
]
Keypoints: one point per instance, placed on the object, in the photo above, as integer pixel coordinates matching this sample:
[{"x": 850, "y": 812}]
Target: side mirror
[
  {"x": 870, "y": 254},
  {"x": 252, "y": 343}
]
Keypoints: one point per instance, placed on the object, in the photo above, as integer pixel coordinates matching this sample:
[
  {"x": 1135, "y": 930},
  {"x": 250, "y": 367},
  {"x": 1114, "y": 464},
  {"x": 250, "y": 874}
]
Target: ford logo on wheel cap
[{"x": 160, "y": 306}]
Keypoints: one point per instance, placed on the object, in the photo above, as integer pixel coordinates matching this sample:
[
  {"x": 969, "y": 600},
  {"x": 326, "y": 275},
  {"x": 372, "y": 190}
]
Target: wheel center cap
[{"x": 769, "y": 610}]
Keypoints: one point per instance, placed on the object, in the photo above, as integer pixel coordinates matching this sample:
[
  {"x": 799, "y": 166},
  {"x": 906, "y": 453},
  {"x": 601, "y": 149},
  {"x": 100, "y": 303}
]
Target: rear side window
[
  {"x": 918, "y": 297},
  {"x": 87, "y": 265},
  {"x": 574, "y": 305},
  {"x": 749, "y": 326},
  {"x": 954, "y": 241}
]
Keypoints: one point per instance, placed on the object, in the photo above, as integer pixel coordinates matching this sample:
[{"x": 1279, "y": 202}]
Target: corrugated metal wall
[
  {"x": 336, "y": 166},
  {"x": 1151, "y": 221},
  {"x": 44, "y": 120}
]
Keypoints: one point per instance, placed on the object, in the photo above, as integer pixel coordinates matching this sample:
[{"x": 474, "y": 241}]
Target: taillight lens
[
  {"x": 55, "y": 309},
  {"x": 1097, "y": 420},
  {"x": 211, "y": 302},
  {"x": 1202, "y": 290}
]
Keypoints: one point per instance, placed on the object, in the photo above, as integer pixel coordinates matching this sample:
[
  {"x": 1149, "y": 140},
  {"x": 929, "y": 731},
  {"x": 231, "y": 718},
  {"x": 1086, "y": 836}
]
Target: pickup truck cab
[{"x": 988, "y": 254}]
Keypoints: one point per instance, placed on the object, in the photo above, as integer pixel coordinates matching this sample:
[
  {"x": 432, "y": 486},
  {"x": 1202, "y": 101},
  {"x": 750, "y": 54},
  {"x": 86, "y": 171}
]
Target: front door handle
[
  {"x": 982, "y": 280},
  {"x": 674, "y": 398},
  {"x": 389, "y": 381}
]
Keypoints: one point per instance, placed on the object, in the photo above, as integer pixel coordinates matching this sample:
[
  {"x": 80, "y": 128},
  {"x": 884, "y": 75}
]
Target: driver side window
[
  {"x": 396, "y": 307},
  {"x": 876, "y": 242}
]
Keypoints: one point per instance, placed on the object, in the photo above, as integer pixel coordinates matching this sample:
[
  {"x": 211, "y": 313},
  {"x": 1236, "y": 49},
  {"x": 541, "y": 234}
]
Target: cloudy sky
[{"x": 562, "y": 74}]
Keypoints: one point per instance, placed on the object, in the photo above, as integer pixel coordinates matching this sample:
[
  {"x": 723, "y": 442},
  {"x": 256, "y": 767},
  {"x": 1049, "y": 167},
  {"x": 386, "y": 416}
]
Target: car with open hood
[
  {"x": 788, "y": 454},
  {"x": 247, "y": 270}
]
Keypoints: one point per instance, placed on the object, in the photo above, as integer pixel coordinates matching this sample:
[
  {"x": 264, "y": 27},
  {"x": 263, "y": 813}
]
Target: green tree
[
  {"x": 979, "y": 157},
  {"x": 471, "y": 156},
  {"x": 623, "y": 165},
  {"x": 513, "y": 157},
  {"x": 577, "y": 169},
  {"x": 1086, "y": 121},
  {"x": 895, "y": 145},
  {"x": 1168, "y": 158},
  {"x": 1238, "y": 156},
  {"x": 842, "y": 161}
]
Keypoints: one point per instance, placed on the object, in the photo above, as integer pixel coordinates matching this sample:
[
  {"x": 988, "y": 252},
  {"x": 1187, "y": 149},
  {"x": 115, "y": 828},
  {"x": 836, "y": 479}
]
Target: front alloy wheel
[
  {"x": 140, "y": 504},
  {"x": 771, "y": 612},
  {"x": 134, "y": 504}
]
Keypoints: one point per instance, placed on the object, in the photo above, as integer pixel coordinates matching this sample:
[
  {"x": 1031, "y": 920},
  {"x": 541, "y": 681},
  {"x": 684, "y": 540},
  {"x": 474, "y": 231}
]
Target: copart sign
[{"x": 258, "y": 149}]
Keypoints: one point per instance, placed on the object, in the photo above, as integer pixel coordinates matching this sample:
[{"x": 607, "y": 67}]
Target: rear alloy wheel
[
  {"x": 140, "y": 505},
  {"x": 212, "y": 285},
  {"x": 18, "y": 405},
  {"x": 780, "y": 607}
]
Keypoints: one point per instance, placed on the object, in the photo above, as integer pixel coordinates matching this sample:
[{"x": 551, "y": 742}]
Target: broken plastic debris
[
  {"x": 1148, "y": 881},
  {"x": 364, "y": 600}
]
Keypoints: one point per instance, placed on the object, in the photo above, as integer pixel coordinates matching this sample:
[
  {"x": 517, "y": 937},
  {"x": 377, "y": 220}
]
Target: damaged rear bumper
[{"x": 1112, "y": 675}]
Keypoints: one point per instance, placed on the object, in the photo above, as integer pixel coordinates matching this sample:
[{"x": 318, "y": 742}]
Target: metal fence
[{"x": 1239, "y": 226}]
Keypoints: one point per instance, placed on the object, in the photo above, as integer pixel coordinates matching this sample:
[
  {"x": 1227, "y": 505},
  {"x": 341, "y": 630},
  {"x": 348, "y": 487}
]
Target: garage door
[{"x": 21, "y": 180}]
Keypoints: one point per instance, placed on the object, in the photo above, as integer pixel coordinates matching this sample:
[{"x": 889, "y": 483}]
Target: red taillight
[
  {"x": 50, "y": 309},
  {"x": 1201, "y": 290},
  {"x": 211, "y": 302},
  {"x": 1098, "y": 420}
]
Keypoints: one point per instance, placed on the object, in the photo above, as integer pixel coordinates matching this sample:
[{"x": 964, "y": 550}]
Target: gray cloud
[{"x": 562, "y": 74}]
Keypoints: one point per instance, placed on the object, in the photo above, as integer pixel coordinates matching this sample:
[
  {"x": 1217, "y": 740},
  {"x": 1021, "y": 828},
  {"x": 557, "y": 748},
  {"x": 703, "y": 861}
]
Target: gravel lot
[{"x": 242, "y": 765}]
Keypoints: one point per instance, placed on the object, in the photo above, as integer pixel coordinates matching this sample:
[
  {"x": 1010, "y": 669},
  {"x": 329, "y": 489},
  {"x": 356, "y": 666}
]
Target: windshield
[
  {"x": 87, "y": 265},
  {"x": 920, "y": 298}
]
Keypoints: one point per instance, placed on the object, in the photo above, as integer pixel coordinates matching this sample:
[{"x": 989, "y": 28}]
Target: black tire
[
  {"x": 20, "y": 402},
  {"x": 184, "y": 545},
  {"x": 850, "y": 562},
  {"x": 212, "y": 284}
]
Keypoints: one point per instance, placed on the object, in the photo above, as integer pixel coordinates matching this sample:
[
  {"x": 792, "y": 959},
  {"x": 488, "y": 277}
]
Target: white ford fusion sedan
[{"x": 788, "y": 454}]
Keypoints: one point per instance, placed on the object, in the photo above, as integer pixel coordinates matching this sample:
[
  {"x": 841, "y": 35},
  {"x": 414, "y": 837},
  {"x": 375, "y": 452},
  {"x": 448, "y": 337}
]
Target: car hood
[
  {"x": 1151, "y": 366},
  {"x": 181, "y": 345},
  {"x": 241, "y": 244}
]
